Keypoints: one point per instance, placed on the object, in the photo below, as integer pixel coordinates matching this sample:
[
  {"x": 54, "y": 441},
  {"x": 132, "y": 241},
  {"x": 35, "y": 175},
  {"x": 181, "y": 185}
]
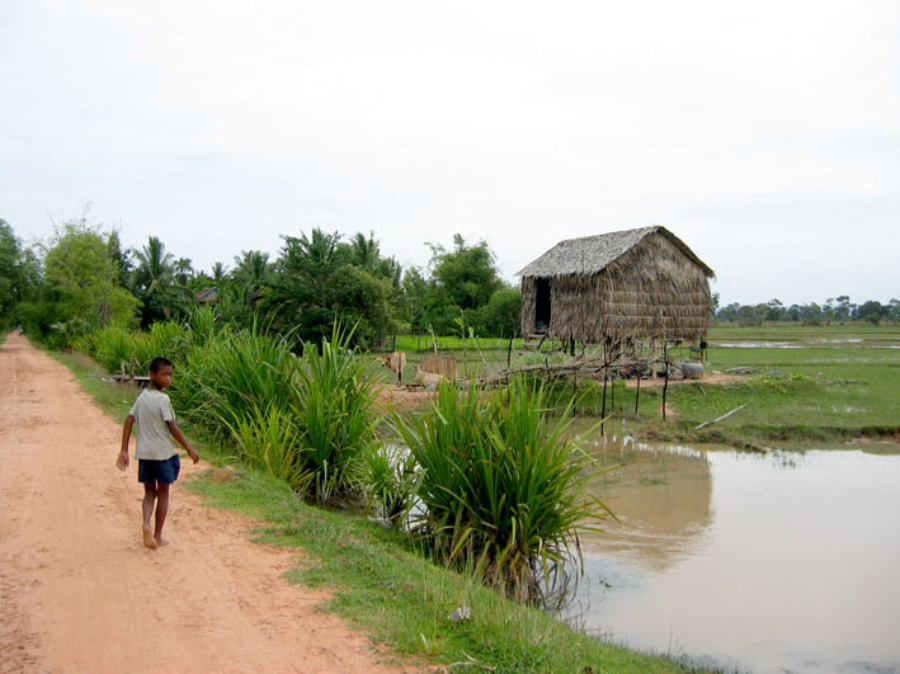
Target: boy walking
[{"x": 158, "y": 462}]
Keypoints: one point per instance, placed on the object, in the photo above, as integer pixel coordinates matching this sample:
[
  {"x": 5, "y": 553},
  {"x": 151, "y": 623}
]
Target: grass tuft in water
[{"x": 501, "y": 486}]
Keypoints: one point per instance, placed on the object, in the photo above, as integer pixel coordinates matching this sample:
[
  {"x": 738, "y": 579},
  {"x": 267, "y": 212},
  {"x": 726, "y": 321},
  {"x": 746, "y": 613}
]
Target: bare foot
[
  {"x": 149, "y": 541},
  {"x": 162, "y": 541}
]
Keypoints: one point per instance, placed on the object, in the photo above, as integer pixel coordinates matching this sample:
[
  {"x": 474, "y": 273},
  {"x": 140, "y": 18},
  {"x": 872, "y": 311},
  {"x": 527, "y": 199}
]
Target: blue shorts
[{"x": 162, "y": 472}]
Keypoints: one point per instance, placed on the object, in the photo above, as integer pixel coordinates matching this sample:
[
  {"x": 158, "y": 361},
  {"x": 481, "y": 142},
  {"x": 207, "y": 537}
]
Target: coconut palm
[
  {"x": 155, "y": 284},
  {"x": 219, "y": 273},
  {"x": 251, "y": 270}
]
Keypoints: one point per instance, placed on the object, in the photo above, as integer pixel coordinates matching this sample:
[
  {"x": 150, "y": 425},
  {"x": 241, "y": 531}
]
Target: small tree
[
  {"x": 81, "y": 284},
  {"x": 501, "y": 316}
]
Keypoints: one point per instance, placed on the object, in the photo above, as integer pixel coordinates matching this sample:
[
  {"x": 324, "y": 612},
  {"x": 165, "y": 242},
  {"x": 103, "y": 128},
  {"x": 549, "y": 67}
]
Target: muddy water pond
[{"x": 785, "y": 562}]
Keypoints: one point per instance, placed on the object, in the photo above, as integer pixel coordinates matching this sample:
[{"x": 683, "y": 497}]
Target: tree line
[
  {"x": 834, "y": 310},
  {"x": 84, "y": 278}
]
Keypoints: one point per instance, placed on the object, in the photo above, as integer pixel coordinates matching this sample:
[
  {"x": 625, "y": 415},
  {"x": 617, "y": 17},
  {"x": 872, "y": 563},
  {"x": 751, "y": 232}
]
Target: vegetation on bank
[{"x": 379, "y": 578}]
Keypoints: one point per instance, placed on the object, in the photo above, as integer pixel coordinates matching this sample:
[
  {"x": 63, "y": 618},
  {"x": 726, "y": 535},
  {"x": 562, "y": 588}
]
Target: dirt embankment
[{"x": 79, "y": 592}]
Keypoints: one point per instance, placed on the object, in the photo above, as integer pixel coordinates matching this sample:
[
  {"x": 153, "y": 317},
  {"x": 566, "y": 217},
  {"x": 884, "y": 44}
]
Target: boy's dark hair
[{"x": 159, "y": 362}]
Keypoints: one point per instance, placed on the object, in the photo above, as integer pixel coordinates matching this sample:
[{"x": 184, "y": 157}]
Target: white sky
[{"x": 766, "y": 135}]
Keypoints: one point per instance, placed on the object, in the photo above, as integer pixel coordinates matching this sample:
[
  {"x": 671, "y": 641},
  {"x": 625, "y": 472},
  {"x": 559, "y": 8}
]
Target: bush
[
  {"x": 233, "y": 377},
  {"x": 500, "y": 485},
  {"x": 335, "y": 426}
]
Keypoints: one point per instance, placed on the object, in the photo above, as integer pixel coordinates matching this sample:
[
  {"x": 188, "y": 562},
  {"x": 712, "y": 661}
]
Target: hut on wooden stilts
[{"x": 615, "y": 289}]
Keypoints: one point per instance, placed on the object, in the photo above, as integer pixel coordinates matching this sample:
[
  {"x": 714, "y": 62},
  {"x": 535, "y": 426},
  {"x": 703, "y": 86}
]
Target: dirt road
[{"x": 80, "y": 594}]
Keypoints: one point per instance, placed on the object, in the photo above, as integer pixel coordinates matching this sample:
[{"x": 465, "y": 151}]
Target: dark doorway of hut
[{"x": 542, "y": 304}]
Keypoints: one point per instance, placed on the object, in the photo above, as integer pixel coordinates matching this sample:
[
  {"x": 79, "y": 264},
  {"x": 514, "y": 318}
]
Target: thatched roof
[
  {"x": 208, "y": 296},
  {"x": 592, "y": 254}
]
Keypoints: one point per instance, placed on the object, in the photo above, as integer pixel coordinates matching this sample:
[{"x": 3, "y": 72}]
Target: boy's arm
[
  {"x": 123, "y": 459},
  {"x": 179, "y": 436}
]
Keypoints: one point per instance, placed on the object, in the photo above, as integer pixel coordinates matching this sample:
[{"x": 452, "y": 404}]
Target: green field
[
  {"x": 822, "y": 385},
  {"x": 810, "y": 383}
]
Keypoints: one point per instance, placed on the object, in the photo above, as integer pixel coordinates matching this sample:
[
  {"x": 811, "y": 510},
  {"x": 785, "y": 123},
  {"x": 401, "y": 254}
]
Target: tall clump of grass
[
  {"x": 391, "y": 482},
  {"x": 501, "y": 485},
  {"x": 115, "y": 344},
  {"x": 267, "y": 439},
  {"x": 234, "y": 378},
  {"x": 109, "y": 346},
  {"x": 169, "y": 339},
  {"x": 335, "y": 424}
]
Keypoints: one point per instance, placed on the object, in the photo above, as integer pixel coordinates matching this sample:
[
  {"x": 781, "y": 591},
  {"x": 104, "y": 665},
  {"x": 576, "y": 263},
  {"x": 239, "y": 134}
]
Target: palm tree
[
  {"x": 252, "y": 269},
  {"x": 365, "y": 252},
  {"x": 155, "y": 285},
  {"x": 219, "y": 273},
  {"x": 183, "y": 271}
]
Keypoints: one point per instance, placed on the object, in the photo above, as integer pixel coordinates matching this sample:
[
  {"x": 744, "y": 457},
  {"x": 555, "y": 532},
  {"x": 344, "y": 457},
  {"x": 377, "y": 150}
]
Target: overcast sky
[{"x": 766, "y": 135}]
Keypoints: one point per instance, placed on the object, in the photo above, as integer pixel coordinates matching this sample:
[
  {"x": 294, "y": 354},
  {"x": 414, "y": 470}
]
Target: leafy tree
[
  {"x": 894, "y": 309},
  {"x": 844, "y": 308},
  {"x": 462, "y": 282},
  {"x": 729, "y": 313},
  {"x": 318, "y": 279},
  {"x": 10, "y": 273},
  {"x": 752, "y": 315},
  {"x": 811, "y": 314},
  {"x": 122, "y": 259},
  {"x": 775, "y": 310},
  {"x": 871, "y": 311},
  {"x": 467, "y": 275},
  {"x": 500, "y": 316},
  {"x": 412, "y": 299},
  {"x": 81, "y": 291}
]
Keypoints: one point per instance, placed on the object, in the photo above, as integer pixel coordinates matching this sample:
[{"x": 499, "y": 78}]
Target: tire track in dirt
[{"x": 78, "y": 591}]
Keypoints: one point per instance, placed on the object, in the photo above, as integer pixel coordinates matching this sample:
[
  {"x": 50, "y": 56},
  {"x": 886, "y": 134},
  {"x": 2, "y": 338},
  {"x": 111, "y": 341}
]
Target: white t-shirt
[{"x": 151, "y": 411}]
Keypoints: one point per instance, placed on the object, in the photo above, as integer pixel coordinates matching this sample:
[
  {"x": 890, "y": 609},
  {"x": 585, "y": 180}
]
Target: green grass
[
  {"x": 383, "y": 586},
  {"x": 828, "y": 390}
]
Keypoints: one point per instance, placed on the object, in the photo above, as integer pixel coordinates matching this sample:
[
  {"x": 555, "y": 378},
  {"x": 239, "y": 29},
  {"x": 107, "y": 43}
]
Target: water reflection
[
  {"x": 660, "y": 496},
  {"x": 782, "y": 562}
]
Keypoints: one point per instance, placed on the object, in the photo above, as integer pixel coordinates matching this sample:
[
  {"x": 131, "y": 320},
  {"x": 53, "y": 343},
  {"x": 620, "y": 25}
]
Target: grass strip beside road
[{"x": 381, "y": 584}]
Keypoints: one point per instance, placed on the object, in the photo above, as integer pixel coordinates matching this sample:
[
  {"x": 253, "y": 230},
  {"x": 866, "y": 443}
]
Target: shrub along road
[{"x": 80, "y": 593}]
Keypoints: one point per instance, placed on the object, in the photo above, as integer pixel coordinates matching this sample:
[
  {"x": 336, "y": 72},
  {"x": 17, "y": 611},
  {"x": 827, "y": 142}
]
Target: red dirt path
[{"x": 78, "y": 591}]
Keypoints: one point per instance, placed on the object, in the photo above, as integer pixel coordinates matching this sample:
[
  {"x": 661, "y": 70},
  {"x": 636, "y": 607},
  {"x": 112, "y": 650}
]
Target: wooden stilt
[{"x": 666, "y": 383}]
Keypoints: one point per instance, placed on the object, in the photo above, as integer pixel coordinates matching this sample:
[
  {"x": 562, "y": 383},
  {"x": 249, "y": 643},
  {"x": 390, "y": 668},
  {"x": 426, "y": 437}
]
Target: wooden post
[
  {"x": 637, "y": 394},
  {"x": 509, "y": 352},
  {"x": 612, "y": 402},
  {"x": 574, "y": 392},
  {"x": 603, "y": 410},
  {"x": 666, "y": 383}
]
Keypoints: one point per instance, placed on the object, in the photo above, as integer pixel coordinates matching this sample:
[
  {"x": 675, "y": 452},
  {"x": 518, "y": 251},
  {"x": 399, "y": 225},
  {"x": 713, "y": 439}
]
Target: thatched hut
[{"x": 636, "y": 284}]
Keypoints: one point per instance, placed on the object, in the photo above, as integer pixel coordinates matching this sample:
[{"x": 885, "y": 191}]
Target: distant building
[{"x": 208, "y": 296}]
